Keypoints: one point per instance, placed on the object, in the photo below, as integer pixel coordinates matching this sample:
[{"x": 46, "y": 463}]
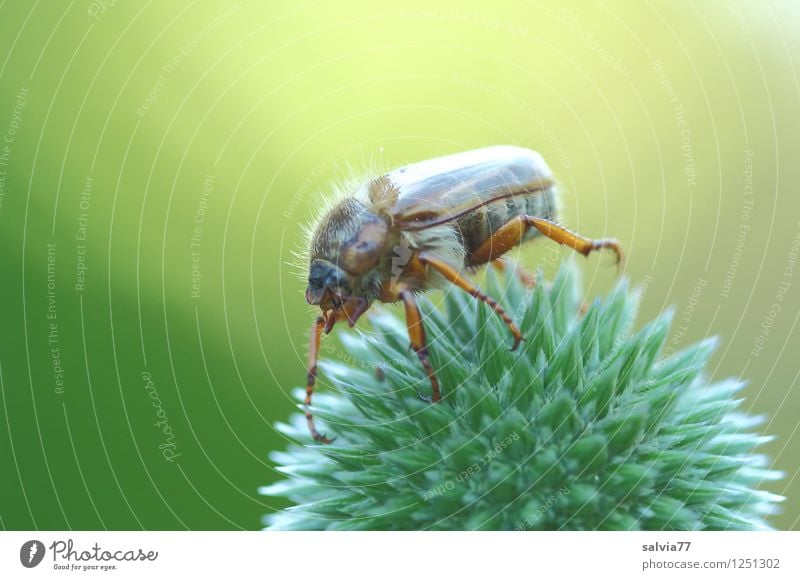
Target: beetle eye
[
  {"x": 314, "y": 283},
  {"x": 317, "y": 275},
  {"x": 322, "y": 277}
]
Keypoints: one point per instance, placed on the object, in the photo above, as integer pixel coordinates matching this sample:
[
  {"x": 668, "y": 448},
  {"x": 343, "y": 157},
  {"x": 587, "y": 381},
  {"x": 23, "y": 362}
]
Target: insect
[{"x": 394, "y": 236}]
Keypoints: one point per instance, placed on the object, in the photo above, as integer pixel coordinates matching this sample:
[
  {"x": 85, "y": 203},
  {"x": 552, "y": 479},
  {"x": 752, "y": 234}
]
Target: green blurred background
[{"x": 157, "y": 161}]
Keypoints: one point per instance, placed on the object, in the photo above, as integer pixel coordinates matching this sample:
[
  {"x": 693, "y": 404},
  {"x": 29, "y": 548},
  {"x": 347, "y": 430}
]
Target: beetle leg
[
  {"x": 311, "y": 378},
  {"x": 416, "y": 334},
  {"x": 578, "y": 243},
  {"x": 354, "y": 308},
  {"x": 454, "y": 277},
  {"x": 511, "y": 233},
  {"x": 508, "y": 236}
]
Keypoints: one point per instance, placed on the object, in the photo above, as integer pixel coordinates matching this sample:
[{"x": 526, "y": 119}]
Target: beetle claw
[
  {"x": 426, "y": 398},
  {"x": 322, "y": 438}
]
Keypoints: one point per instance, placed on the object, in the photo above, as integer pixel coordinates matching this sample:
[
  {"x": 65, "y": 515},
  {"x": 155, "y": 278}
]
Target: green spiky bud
[{"x": 587, "y": 426}]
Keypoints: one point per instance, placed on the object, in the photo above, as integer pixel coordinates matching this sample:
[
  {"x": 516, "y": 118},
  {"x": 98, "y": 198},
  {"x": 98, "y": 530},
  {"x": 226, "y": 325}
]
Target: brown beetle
[{"x": 406, "y": 231}]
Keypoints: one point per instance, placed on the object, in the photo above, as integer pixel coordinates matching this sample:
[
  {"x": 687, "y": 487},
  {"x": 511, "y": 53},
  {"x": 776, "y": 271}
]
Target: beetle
[{"x": 403, "y": 232}]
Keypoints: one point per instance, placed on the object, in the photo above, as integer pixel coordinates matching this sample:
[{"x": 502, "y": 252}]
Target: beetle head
[
  {"x": 331, "y": 288},
  {"x": 328, "y": 285}
]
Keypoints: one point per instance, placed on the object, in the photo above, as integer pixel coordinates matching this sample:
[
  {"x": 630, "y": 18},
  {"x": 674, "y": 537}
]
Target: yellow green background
[{"x": 673, "y": 126}]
